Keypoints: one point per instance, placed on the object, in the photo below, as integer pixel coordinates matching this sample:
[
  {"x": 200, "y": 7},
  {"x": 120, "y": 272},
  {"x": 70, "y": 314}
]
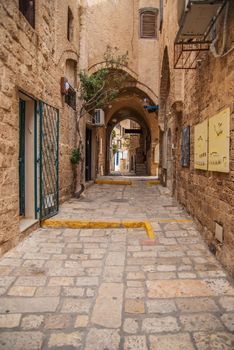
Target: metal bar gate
[{"x": 49, "y": 160}]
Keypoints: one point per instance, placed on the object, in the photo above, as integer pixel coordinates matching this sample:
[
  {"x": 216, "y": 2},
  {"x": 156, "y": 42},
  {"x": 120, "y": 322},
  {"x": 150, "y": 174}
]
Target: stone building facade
[
  {"x": 39, "y": 46},
  {"x": 187, "y": 98},
  {"x": 116, "y": 23}
]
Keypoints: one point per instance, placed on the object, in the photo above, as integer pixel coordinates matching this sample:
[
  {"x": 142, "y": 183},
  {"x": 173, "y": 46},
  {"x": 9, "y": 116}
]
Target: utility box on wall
[{"x": 219, "y": 232}]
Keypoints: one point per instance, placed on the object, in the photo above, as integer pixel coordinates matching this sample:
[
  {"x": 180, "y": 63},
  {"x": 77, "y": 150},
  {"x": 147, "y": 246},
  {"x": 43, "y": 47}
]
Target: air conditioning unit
[{"x": 98, "y": 117}]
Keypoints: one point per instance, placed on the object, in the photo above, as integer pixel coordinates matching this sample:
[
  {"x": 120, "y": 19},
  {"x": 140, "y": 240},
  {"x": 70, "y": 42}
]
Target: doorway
[
  {"x": 27, "y": 157},
  {"x": 88, "y": 155}
]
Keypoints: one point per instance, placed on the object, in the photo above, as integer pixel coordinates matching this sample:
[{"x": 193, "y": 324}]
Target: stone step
[{"x": 141, "y": 169}]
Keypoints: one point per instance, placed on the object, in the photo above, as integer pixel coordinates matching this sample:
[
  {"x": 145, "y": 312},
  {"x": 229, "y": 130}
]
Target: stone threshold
[{"x": 28, "y": 224}]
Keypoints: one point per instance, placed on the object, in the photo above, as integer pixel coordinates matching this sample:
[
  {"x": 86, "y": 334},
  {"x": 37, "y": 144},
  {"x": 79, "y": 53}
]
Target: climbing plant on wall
[{"x": 100, "y": 88}]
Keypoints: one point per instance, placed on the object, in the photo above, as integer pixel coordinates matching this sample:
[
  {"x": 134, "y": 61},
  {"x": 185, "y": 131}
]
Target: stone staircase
[{"x": 141, "y": 169}]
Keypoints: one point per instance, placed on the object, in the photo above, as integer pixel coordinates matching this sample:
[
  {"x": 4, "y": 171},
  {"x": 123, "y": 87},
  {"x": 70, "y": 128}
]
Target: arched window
[{"x": 148, "y": 23}]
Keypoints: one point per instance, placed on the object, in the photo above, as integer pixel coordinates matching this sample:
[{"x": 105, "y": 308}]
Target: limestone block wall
[
  {"x": 116, "y": 23},
  {"x": 32, "y": 61},
  {"x": 208, "y": 196}
]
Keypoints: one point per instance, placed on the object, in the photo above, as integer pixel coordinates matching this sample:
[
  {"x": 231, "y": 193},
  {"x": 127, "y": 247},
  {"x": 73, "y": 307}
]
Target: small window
[
  {"x": 148, "y": 23},
  {"x": 70, "y": 97},
  {"x": 27, "y": 8},
  {"x": 69, "y": 25}
]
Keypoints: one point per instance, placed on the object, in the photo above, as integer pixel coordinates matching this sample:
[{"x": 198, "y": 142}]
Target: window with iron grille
[
  {"x": 148, "y": 23},
  {"x": 70, "y": 97},
  {"x": 27, "y": 8}
]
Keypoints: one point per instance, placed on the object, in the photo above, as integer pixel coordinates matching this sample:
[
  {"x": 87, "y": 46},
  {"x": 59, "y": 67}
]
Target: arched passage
[
  {"x": 131, "y": 106},
  {"x": 131, "y": 103},
  {"x": 142, "y": 153}
]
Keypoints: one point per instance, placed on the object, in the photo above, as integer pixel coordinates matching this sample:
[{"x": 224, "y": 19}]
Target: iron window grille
[
  {"x": 70, "y": 97},
  {"x": 27, "y": 8},
  {"x": 148, "y": 23}
]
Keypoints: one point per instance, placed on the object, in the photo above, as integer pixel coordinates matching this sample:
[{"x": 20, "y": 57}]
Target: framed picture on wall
[{"x": 185, "y": 146}]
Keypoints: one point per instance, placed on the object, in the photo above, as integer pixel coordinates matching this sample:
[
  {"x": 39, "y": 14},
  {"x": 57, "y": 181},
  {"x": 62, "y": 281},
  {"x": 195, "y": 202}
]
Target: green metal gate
[
  {"x": 49, "y": 160},
  {"x": 22, "y": 157}
]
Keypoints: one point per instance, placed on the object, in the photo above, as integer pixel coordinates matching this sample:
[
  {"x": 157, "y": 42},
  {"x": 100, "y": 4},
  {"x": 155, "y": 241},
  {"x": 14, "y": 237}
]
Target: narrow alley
[
  {"x": 116, "y": 175},
  {"x": 96, "y": 289}
]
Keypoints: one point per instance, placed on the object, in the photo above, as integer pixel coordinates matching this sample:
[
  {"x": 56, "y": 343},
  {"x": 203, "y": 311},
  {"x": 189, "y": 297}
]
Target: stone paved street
[{"x": 115, "y": 288}]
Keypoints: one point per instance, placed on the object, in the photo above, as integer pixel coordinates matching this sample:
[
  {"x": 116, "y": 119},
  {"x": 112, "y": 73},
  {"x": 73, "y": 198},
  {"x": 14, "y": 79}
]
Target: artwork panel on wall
[
  {"x": 201, "y": 146},
  {"x": 185, "y": 146},
  {"x": 219, "y": 141}
]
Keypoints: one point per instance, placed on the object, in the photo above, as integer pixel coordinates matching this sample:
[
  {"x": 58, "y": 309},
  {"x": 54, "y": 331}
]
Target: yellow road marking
[
  {"x": 151, "y": 183},
  {"x": 63, "y": 223},
  {"x": 149, "y": 230},
  {"x": 113, "y": 182}
]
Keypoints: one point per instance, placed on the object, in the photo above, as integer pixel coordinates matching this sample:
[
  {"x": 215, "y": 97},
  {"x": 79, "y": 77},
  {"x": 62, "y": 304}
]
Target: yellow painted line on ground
[
  {"x": 133, "y": 224},
  {"x": 149, "y": 230},
  {"x": 63, "y": 223},
  {"x": 112, "y": 182},
  {"x": 80, "y": 224},
  {"x": 152, "y": 183}
]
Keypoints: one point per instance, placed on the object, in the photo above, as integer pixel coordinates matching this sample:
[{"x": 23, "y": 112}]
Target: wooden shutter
[{"x": 148, "y": 24}]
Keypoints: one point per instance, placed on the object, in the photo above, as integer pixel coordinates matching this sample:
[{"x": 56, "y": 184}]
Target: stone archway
[
  {"x": 131, "y": 101},
  {"x": 143, "y": 156},
  {"x": 130, "y": 105}
]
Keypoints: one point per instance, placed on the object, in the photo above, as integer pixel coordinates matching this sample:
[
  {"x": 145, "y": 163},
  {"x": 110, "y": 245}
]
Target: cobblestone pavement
[{"x": 116, "y": 289}]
